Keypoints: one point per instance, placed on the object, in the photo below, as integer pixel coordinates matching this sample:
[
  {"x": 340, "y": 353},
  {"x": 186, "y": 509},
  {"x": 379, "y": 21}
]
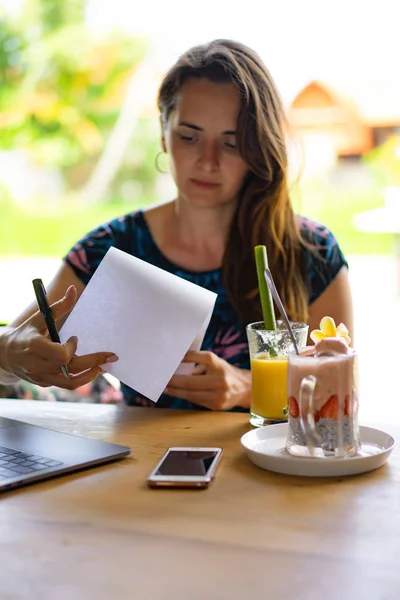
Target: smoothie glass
[
  {"x": 323, "y": 404},
  {"x": 268, "y": 358}
]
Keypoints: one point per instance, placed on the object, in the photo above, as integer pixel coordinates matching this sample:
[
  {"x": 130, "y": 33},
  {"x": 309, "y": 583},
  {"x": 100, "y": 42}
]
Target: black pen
[{"x": 41, "y": 297}]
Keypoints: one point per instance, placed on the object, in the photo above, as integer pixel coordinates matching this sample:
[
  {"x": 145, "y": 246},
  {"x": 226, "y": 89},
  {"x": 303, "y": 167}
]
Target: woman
[{"x": 223, "y": 128}]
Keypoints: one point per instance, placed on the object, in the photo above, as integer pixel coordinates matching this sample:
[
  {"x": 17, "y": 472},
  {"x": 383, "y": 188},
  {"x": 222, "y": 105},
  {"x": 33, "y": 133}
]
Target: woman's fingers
[
  {"x": 186, "y": 383},
  {"x": 210, "y": 400},
  {"x": 199, "y": 370},
  {"x": 34, "y": 357},
  {"x": 202, "y": 357},
  {"x": 59, "y": 309},
  {"x": 42, "y": 347},
  {"x": 52, "y": 361},
  {"x": 71, "y": 345},
  {"x": 46, "y": 357},
  {"x": 65, "y": 305},
  {"x": 80, "y": 363},
  {"x": 73, "y": 382},
  {"x": 37, "y": 367}
]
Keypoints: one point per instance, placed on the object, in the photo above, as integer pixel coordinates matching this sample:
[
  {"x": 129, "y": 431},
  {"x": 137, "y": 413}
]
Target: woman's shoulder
[
  {"x": 121, "y": 232},
  {"x": 323, "y": 256},
  {"x": 122, "y": 225},
  {"x": 313, "y": 232},
  {"x": 319, "y": 241}
]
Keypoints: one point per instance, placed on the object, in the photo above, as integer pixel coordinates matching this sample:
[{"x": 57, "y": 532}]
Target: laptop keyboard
[{"x": 14, "y": 462}]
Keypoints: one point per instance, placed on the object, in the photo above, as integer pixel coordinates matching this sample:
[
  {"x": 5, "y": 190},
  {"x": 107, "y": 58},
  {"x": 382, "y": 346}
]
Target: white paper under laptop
[{"x": 147, "y": 316}]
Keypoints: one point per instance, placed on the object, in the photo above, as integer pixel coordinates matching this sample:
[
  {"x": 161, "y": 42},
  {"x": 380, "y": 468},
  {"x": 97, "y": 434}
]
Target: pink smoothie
[{"x": 332, "y": 362}]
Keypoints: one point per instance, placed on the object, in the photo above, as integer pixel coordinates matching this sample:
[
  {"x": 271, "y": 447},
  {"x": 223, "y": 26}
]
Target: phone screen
[{"x": 186, "y": 462}]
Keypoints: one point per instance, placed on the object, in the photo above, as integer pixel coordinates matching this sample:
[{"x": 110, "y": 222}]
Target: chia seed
[{"x": 327, "y": 430}]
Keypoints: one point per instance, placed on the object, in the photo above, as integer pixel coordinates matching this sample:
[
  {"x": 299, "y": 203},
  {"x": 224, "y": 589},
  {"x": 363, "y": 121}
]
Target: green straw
[{"x": 265, "y": 295}]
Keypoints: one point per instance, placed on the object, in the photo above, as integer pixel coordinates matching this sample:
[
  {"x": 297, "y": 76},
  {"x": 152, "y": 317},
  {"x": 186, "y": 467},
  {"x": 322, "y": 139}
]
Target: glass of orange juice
[{"x": 268, "y": 359}]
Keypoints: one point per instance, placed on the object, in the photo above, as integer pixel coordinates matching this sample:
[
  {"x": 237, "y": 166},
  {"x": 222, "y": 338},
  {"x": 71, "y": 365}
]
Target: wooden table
[{"x": 102, "y": 534}]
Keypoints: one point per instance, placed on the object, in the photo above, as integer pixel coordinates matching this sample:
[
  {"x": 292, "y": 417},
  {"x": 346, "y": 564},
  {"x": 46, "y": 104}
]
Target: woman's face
[{"x": 200, "y": 138}]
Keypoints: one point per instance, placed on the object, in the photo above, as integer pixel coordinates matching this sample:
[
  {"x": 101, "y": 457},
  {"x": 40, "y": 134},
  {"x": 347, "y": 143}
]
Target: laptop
[{"x": 29, "y": 453}]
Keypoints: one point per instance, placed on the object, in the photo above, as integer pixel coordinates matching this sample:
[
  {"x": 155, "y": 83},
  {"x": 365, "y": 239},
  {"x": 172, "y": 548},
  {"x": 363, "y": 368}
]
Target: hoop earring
[{"x": 156, "y": 160}]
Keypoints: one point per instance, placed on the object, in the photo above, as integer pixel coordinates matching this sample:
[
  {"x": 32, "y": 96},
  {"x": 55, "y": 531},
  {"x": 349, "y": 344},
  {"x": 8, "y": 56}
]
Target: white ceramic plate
[{"x": 266, "y": 448}]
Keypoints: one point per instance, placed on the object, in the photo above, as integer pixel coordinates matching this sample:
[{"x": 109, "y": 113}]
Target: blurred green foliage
[
  {"x": 62, "y": 89},
  {"x": 384, "y": 161},
  {"x": 39, "y": 231},
  {"x": 336, "y": 208}
]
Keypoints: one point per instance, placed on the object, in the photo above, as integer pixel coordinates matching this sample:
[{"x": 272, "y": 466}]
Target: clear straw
[{"x": 275, "y": 295}]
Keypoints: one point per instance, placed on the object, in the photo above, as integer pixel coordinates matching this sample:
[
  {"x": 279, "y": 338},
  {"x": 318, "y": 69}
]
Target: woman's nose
[{"x": 209, "y": 157}]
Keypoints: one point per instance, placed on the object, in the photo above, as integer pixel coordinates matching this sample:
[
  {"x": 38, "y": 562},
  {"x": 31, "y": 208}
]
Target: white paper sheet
[{"x": 147, "y": 316}]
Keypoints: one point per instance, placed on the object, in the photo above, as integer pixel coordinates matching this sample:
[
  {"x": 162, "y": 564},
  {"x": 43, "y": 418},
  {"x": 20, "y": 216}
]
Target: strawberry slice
[
  {"x": 317, "y": 416},
  {"x": 347, "y": 405},
  {"x": 293, "y": 407},
  {"x": 330, "y": 409}
]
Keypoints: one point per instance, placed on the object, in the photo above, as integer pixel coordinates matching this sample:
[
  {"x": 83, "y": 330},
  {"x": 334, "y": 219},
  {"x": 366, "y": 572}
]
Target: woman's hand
[
  {"x": 27, "y": 351},
  {"x": 214, "y": 384}
]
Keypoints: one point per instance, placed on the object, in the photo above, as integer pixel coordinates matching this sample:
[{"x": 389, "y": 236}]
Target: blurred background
[{"x": 79, "y": 134}]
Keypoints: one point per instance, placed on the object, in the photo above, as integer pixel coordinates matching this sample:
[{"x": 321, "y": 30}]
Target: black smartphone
[{"x": 186, "y": 467}]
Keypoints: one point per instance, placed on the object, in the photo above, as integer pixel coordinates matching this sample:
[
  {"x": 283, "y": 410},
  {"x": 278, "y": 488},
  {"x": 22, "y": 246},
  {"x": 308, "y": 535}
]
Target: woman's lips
[{"x": 205, "y": 184}]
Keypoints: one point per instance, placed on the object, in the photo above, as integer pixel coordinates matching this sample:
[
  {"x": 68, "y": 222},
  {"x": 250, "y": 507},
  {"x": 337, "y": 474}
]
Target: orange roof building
[{"x": 355, "y": 118}]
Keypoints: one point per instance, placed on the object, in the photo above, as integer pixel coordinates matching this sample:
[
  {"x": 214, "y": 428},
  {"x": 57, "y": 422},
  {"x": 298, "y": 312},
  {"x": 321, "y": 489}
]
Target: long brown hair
[{"x": 264, "y": 214}]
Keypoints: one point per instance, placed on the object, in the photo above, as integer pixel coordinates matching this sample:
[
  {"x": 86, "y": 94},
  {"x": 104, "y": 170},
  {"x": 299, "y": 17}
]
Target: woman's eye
[
  {"x": 230, "y": 146},
  {"x": 188, "y": 138}
]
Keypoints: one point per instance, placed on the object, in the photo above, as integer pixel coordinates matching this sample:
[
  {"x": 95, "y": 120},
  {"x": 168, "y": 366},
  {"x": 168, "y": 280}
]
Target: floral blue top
[{"x": 224, "y": 336}]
